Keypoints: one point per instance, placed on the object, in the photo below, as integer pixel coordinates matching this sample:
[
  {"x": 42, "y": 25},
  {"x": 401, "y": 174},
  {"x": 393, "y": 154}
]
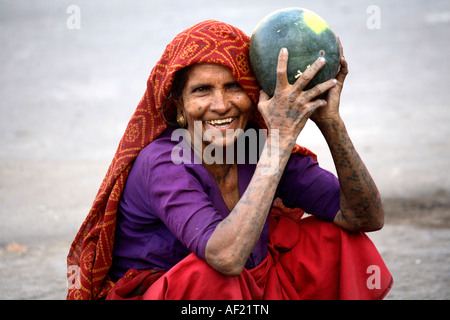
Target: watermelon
[{"x": 306, "y": 36}]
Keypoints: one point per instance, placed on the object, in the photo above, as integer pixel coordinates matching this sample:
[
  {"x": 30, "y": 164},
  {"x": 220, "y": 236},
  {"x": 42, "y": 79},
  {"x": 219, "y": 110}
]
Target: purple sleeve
[
  {"x": 307, "y": 186},
  {"x": 180, "y": 201}
]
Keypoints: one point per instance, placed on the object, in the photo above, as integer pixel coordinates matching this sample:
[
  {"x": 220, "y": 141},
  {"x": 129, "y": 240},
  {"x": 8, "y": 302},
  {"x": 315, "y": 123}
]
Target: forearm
[
  {"x": 286, "y": 112},
  {"x": 234, "y": 238},
  {"x": 360, "y": 202}
]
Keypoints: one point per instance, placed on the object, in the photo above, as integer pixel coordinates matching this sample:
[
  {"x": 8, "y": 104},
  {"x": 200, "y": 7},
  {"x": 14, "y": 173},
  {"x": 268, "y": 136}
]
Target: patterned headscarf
[{"x": 90, "y": 255}]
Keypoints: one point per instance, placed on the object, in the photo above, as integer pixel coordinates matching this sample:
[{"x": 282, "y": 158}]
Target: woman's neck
[
  {"x": 222, "y": 172},
  {"x": 226, "y": 176}
]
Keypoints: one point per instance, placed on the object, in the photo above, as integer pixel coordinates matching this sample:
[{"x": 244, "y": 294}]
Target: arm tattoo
[{"x": 360, "y": 200}]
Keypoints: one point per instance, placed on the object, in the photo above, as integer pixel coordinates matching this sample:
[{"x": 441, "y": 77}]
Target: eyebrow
[
  {"x": 231, "y": 83},
  {"x": 194, "y": 86}
]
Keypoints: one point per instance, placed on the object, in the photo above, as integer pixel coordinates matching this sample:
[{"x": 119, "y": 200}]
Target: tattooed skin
[
  {"x": 286, "y": 113},
  {"x": 235, "y": 237},
  {"x": 360, "y": 201}
]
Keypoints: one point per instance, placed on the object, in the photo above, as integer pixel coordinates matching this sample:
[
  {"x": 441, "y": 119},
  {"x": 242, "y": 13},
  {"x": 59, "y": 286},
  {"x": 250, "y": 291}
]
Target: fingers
[
  {"x": 340, "y": 46},
  {"x": 344, "y": 67},
  {"x": 295, "y": 96},
  {"x": 342, "y": 72},
  {"x": 319, "y": 89},
  {"x": 311, "y": 107},
  {"x": 316, "y": 104},
  {"x": 308, "y": 74},
  {"x": 263, "y": 97},
  {"x": 304, "y": 79},
  {"x": 282, "y": 79}
]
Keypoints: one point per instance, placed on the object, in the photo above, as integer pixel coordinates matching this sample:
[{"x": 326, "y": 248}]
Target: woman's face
[{"x": 213, "y": 100}]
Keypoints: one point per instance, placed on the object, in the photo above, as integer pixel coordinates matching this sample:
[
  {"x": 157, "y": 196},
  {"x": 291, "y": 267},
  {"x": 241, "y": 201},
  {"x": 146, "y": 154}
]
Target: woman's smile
[
  {"x": 221, "y": 124},
  {"x": 213, "y": 96}
]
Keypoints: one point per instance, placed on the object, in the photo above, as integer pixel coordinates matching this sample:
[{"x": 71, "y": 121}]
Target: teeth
[{"x": 221, "y": 121}]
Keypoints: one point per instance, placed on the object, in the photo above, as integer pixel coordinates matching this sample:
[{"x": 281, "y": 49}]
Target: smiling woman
[
  {"x": 234, "y": 230},
  {"x": 212, "y": 96}
]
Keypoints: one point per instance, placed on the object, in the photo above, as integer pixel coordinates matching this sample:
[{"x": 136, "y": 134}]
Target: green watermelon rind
[{"x": 276, "y": 31}]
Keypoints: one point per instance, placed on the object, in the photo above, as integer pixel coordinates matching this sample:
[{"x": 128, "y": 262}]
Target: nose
[{"x": 220, "y": 103}]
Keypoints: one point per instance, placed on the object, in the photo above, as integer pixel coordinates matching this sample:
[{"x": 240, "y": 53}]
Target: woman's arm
[
  {"x": 285, "y": 114},
  {"x": 233, "y": 240},
  {"x": 360, "y": 202}
]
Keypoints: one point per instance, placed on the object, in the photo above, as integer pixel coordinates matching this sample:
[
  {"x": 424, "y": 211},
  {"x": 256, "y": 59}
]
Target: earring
[{"x": 181, "y": 120}]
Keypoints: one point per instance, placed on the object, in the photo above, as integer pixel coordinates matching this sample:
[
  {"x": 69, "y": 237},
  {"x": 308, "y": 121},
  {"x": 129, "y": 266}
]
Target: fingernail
[
  {"x": 284, "y": 50},
  {"x": 321, "y": 59},
  {"x": 334, "y": 80}
]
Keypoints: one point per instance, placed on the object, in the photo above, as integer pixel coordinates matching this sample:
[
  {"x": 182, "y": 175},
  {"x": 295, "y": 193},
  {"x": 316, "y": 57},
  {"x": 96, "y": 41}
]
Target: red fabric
[
  {"x": 133, "y": 284},
  {"x": 90, "y": 255},
  {"x": 308, "y": 259}
]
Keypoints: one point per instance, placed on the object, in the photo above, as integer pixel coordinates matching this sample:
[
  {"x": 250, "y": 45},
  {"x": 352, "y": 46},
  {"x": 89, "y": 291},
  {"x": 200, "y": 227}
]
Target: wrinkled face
[{"x": 214, "y": 101}]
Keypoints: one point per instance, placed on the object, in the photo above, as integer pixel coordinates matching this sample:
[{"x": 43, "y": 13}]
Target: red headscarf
[{"x": 90, "y": 255}]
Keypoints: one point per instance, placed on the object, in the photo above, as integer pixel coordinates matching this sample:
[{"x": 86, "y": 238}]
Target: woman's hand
[
  {"x": 234, "y": 238},
  {"x": 361, "y": 208},
  {"x": 290, "y": 107},
  {"x": 331, "y": 110}
]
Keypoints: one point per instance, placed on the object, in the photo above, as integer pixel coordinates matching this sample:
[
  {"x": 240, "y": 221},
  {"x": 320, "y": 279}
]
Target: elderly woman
[{"x": 161, "y": 229}]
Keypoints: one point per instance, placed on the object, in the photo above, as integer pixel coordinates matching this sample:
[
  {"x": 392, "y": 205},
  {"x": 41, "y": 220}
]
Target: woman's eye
[
  {"x": 200, "y": 89},
  {"x": 234, "y": 85}
]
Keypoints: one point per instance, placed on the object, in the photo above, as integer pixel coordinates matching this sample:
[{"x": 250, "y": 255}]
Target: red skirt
[{"x": 309, "y": 259}]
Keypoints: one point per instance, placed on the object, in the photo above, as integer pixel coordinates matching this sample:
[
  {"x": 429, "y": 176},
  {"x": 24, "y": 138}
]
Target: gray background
[{"x": 66, "y": 96}]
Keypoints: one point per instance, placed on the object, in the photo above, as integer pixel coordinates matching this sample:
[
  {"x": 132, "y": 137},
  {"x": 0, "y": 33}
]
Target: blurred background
[{"x": 72, "y": 73}]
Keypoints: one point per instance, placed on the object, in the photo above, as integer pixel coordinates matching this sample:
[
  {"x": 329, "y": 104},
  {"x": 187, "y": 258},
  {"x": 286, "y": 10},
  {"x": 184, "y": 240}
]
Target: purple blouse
[{"x": 169, "y": 210}]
